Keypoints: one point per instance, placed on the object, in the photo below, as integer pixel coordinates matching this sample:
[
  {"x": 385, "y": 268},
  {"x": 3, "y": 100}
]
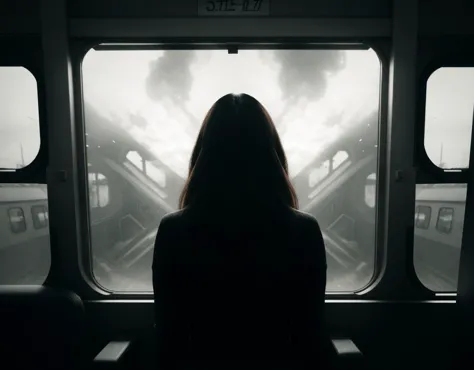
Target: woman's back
[
  {"x": 238, "y": 273},
  {"x": 240, "y": 284}
]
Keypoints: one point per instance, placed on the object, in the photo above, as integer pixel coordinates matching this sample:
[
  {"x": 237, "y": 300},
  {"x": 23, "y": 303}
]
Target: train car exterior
[
  {"x": 439, "y": 222},
  {"x": 24, "y": 230}
]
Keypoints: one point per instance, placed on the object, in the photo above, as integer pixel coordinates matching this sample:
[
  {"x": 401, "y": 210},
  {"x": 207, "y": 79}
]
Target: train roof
[
  {"x": 443, "y": 194},
  {"x": 22, "y": 192},
  {"x": 352, "y": 135}
]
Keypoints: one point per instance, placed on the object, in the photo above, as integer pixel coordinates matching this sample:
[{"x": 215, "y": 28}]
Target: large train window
[
  {"x": 25, "y": 256},
  {"x": 17, "y": 220},
  {"x": 422, "y": 217},
  {"x": 143, "y": 110},
  {"x": 449, "y": 116},
  {"x": 40, "y": 216},
  {"x": 445, "y": 220},
  {"x": 437, "y": 247},
  {"x": 19, "y": 118}
]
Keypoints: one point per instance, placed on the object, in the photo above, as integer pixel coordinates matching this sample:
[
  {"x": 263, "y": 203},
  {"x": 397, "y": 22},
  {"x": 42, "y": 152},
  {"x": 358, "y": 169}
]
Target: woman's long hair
[{"x": 238, "y": 158}]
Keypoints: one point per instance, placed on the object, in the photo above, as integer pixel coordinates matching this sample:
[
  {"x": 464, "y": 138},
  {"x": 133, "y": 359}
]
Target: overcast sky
[
  {"x": 449, "y": 110},
  {"x": 173, "y": 90},
  {"x": 19, "y": 123}
]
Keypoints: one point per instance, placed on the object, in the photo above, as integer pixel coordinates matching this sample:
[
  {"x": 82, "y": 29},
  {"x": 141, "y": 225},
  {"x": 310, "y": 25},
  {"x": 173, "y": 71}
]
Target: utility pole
[
  {"x": 22, "y": 157},
  {"x": 441, "y": 164}
]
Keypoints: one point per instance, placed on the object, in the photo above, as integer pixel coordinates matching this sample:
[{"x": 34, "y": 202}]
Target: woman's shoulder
[
  {"x": 304, "y": 219},
  {"x": 170, "y": 220},
  {"x": 310, "y": 238},
  {"x": 173, "y": 216}
]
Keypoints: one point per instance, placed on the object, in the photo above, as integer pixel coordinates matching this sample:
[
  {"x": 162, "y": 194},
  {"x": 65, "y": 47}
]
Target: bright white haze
[{"x": 115, "y": 85}]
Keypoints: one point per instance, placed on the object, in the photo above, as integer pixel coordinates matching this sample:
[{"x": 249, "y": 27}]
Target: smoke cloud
[
  {"x": 170, "y": 76},
  {"x": 304, "y": 73}
]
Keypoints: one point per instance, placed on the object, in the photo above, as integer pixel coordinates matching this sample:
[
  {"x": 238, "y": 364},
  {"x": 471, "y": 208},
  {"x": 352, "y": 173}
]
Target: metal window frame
[
  {"x": 26, "y": 52},
  {"x": 429, "y": 217},
  {"x": 399, "y": 209},
  {"x": 82, "y": 48},
  {"x": 227, "y": 28},
  {"x": 62, "y": 179},
  {"x": 37, "y": 223},
  {"x": 450, "y": 224},
  {"x": 445, "y": 53},
  {"x": 11, "y": 223},
  {"x": 435, "y": 53}
]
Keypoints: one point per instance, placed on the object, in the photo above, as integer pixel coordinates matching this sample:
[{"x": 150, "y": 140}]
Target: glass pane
[
  {"x": 370, "y": 195},
  {"x": 448, "y": 116},
  {"x": 439, "y": 220},
  {"x": 40, "y": 218},
  {"x": 339, "y": 158},
  {"x": 143, "y": 110},
  {"x": 318, "y": 174},
  {"x": 422, "y": 217},
  {"x": 98, "y": 190},
  {"x": 17, "y": 220},
  {"x": 445, "y": 220},
  {"x": 24, "y": 249},
  {"x": 19, "y": 119}
]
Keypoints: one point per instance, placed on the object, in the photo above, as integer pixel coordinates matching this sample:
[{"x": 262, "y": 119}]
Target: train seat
[
  {"x": 349, "y": 356},
  {"x": 41, "y": 328}
]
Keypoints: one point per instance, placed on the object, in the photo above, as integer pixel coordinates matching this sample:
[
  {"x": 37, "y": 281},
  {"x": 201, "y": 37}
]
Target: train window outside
[
  {"x": 370, "y": 195},
  {"x": 19, "y": 118},
  {"x": 40, "y": 216},
  {"x": 422, "y": 217},
  {"x": 445, "y": 220},
  {"x": 25, "y": 256},
  {"x": 318, "y": 174},
  {"x": 326, "y": 168},
  {"x": 437, "y": 249},
  {"x": 449, "y": 116},
  {"x": 150, "y": 104},
  {"x": 17, "y": 220},
  {"x": 148, "y": 168},
  {"x": 98, "y": 190}
]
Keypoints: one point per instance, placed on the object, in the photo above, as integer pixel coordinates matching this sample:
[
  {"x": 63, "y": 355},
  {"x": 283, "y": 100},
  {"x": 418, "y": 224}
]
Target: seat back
[{"x": 41, "y": 328}]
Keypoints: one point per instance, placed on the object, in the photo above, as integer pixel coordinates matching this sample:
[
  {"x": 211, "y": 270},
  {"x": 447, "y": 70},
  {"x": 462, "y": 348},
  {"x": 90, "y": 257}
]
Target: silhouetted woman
[{"x": 239, "y": 274}]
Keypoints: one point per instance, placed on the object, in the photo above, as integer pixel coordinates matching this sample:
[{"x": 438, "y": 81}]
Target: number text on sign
[{"x": 232, "y": 8}]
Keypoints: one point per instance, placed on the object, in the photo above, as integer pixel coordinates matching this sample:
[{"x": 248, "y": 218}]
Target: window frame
[
  {"x": 11, "y": 222},
  {"x": 455, "y": 174},
  {"x": 97, "y": 173},
  {"x": 450, "y": 223},
  {"x": 429, "y": 217},
  {"x": 144, "y": 170},
  {"x": 26, "y": 53},
  {"x": 36, "y": 219},
  {"x": 367, "y": 183},
  {"x": 434, "y": 54},
  {"x": 331, "y": 169},
  {"x": 382, "y": 51}
]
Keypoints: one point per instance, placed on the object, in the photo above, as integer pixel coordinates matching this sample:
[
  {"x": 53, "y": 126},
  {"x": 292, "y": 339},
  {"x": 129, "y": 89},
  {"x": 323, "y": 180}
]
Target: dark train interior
[{"x": 100, "y": 104}]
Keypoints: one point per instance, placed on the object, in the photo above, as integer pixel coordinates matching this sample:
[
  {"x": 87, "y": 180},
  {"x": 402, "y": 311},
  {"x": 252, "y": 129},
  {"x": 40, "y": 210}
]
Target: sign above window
[{"x": 233, "y": 8}]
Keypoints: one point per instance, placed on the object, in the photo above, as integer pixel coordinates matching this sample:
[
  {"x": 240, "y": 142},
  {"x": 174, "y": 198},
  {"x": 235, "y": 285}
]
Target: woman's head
[{"x": 238, "y": 158}]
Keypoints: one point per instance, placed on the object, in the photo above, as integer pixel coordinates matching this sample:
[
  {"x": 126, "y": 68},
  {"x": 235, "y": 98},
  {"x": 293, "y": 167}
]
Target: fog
[{"x": 145, "y": 84}]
